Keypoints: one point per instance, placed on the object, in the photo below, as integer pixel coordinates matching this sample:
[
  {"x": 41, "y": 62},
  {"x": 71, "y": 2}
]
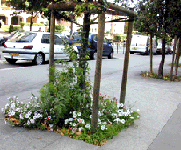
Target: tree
[
  {"x": 30, "y": 6},
  {"x": 145, "y": 22}
]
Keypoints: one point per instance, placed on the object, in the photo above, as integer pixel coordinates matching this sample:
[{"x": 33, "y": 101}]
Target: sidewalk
[{"x": 159, "y": 126}]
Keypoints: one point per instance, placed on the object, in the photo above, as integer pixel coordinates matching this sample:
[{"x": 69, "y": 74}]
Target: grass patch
[
  {"x": 166, "y": 77},
  {"x": 174, "y": 64}
]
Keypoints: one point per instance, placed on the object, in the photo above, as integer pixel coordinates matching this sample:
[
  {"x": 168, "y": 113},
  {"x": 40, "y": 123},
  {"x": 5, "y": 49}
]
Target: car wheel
[
  {"x": 11, "y": 61},
  {"x": 110, "y": 56},
  {"x": 39, "y": 59}
]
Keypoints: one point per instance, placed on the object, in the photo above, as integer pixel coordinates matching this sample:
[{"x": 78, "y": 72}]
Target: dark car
[
  {"x": 75, "y": 40},
  {"x": 107, "y": 46}
]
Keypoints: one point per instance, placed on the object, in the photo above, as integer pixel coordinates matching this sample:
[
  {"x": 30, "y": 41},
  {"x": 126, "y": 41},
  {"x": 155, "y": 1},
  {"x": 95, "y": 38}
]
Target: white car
[
  {"x": 168, "y": 49},
  {"x": 141, "y": 44},
  {"x": 34, "y": 46}
]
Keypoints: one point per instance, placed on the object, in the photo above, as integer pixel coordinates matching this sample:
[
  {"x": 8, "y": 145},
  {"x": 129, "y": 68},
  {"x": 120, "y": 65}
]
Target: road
[{"x": 156, "y": 99}]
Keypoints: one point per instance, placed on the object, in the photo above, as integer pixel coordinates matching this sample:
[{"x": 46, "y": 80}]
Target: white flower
[
  {"x": 99, "y": 113},
  {"x": 90, "y": 116},
  {"x": 13, "y": 105},
  {"x": 83, "y": 122},
  {"x": 80, "y": 129},
  {"x": 74, "y": 124},
  {"x": 138, "y": 116},
  {"x": 7, "y": 105},
  {"x": 32, "y": 121},
  {"x": 34, "y": 117},
  {"x": 70, "y": 119},
  {"x": 39, "y": 115},
  {"x": 21, "y": 116},
  {"x": 115, "y": 115},
  {"x": 121, "y": 114},
  {"x": 87, "y": 126},
  {"x": 120, "y": 105},
  {"x": 117, "y": 120},
  {"x": 12, "y": 113},
  {"x": 74, "y": 114},
  {"x": 122, "y": 121},
  {"x": 50, "y": 125},
  {"x": 138, "y": 110},
  {"x": 79, "y": 120},
  {"x": 103, "y": 127},
  {"x": 38, "y": 105},
  {"x": 28, "y": 122},
  {"x": 66, "y": 121},
  {"x": 104, "y": 123},
  {"x": 14, "y": 97},
  {"x": 49, "y": 117},
  {"x": 27, "y": 115},
  {"x": 131, "y": 117},
  {"x": 18, "y": 109},
  {"x": 2, "y": 109},
  {"x": 79, "y": 114},
  {"x": 99, "y": 121}
]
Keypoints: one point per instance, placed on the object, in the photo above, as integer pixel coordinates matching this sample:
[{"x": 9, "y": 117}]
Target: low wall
[{"x": 35, "y": 28}]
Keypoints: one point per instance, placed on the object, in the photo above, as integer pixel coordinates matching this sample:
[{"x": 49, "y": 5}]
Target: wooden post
[
  {"x": 126, "y": 62},
  {"x": 51, "y": 50},
  {"x": 173, "y": 57},
  {"x": 97, "y": 77},
  {"x": 151, "y": 54}
]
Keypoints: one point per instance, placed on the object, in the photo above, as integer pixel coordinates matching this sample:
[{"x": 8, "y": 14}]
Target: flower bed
[{"x": 112, "y": 118}]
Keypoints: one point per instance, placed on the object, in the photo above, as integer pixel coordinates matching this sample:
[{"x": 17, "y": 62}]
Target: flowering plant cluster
[{"x": 76, "y": 124}]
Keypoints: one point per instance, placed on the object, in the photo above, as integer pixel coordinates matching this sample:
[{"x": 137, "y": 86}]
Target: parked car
[
  {"x": 107, "y": 46},
  {"x": 168, "y": 48},
  {"x": 141, "y": 44},
  {"x": 75, "y": 39},
  {"x": 34, "y": 46}
]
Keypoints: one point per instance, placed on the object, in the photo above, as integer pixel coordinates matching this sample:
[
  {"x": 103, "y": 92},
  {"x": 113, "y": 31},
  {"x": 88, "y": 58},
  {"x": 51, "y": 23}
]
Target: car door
[
  {"x": 46, "y": 46},
  {"x": 107, "y": 47},
  {"x": 59, "y": 48}
]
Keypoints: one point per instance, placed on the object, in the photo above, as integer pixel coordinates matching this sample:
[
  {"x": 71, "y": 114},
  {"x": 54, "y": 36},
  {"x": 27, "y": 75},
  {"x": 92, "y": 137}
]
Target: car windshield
[{"x": 23, "y": 37}]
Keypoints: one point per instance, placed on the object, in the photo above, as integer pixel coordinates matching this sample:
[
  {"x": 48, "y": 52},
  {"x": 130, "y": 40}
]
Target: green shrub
[
  {"x": 14, "y": 28},
  {"x": 59, "y": 28}
]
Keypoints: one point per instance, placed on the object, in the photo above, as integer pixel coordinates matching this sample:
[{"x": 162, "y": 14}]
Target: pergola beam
[{"x": 70, "y": 6}]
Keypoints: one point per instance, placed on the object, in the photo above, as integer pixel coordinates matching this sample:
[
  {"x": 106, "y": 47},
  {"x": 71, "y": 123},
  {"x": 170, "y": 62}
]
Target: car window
[
  {"x": 23, "y": 37},
  {"x": 59, "y": 40},
  {"x": 45, "y": 38}
]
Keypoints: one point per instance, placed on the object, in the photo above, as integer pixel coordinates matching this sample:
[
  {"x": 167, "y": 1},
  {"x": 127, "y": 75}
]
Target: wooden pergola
[{"x": 114, "y": 10}]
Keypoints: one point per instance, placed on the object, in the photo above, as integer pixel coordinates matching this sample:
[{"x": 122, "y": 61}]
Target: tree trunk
[
  {"x": 151, "y": 53},
  {"x": 85, "y": 36},
  {"x": 71, "y": 26},
  {"x": 51, "y": 50},
  {"x": 178, "y": 55},
  {"x": 97, "y": 77},
  {"x": 126, "y": 63},
  {"x": 173, "y": 57},
  {"x": 160, "y": 70},
  {"x": 31, "y": 21}
]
